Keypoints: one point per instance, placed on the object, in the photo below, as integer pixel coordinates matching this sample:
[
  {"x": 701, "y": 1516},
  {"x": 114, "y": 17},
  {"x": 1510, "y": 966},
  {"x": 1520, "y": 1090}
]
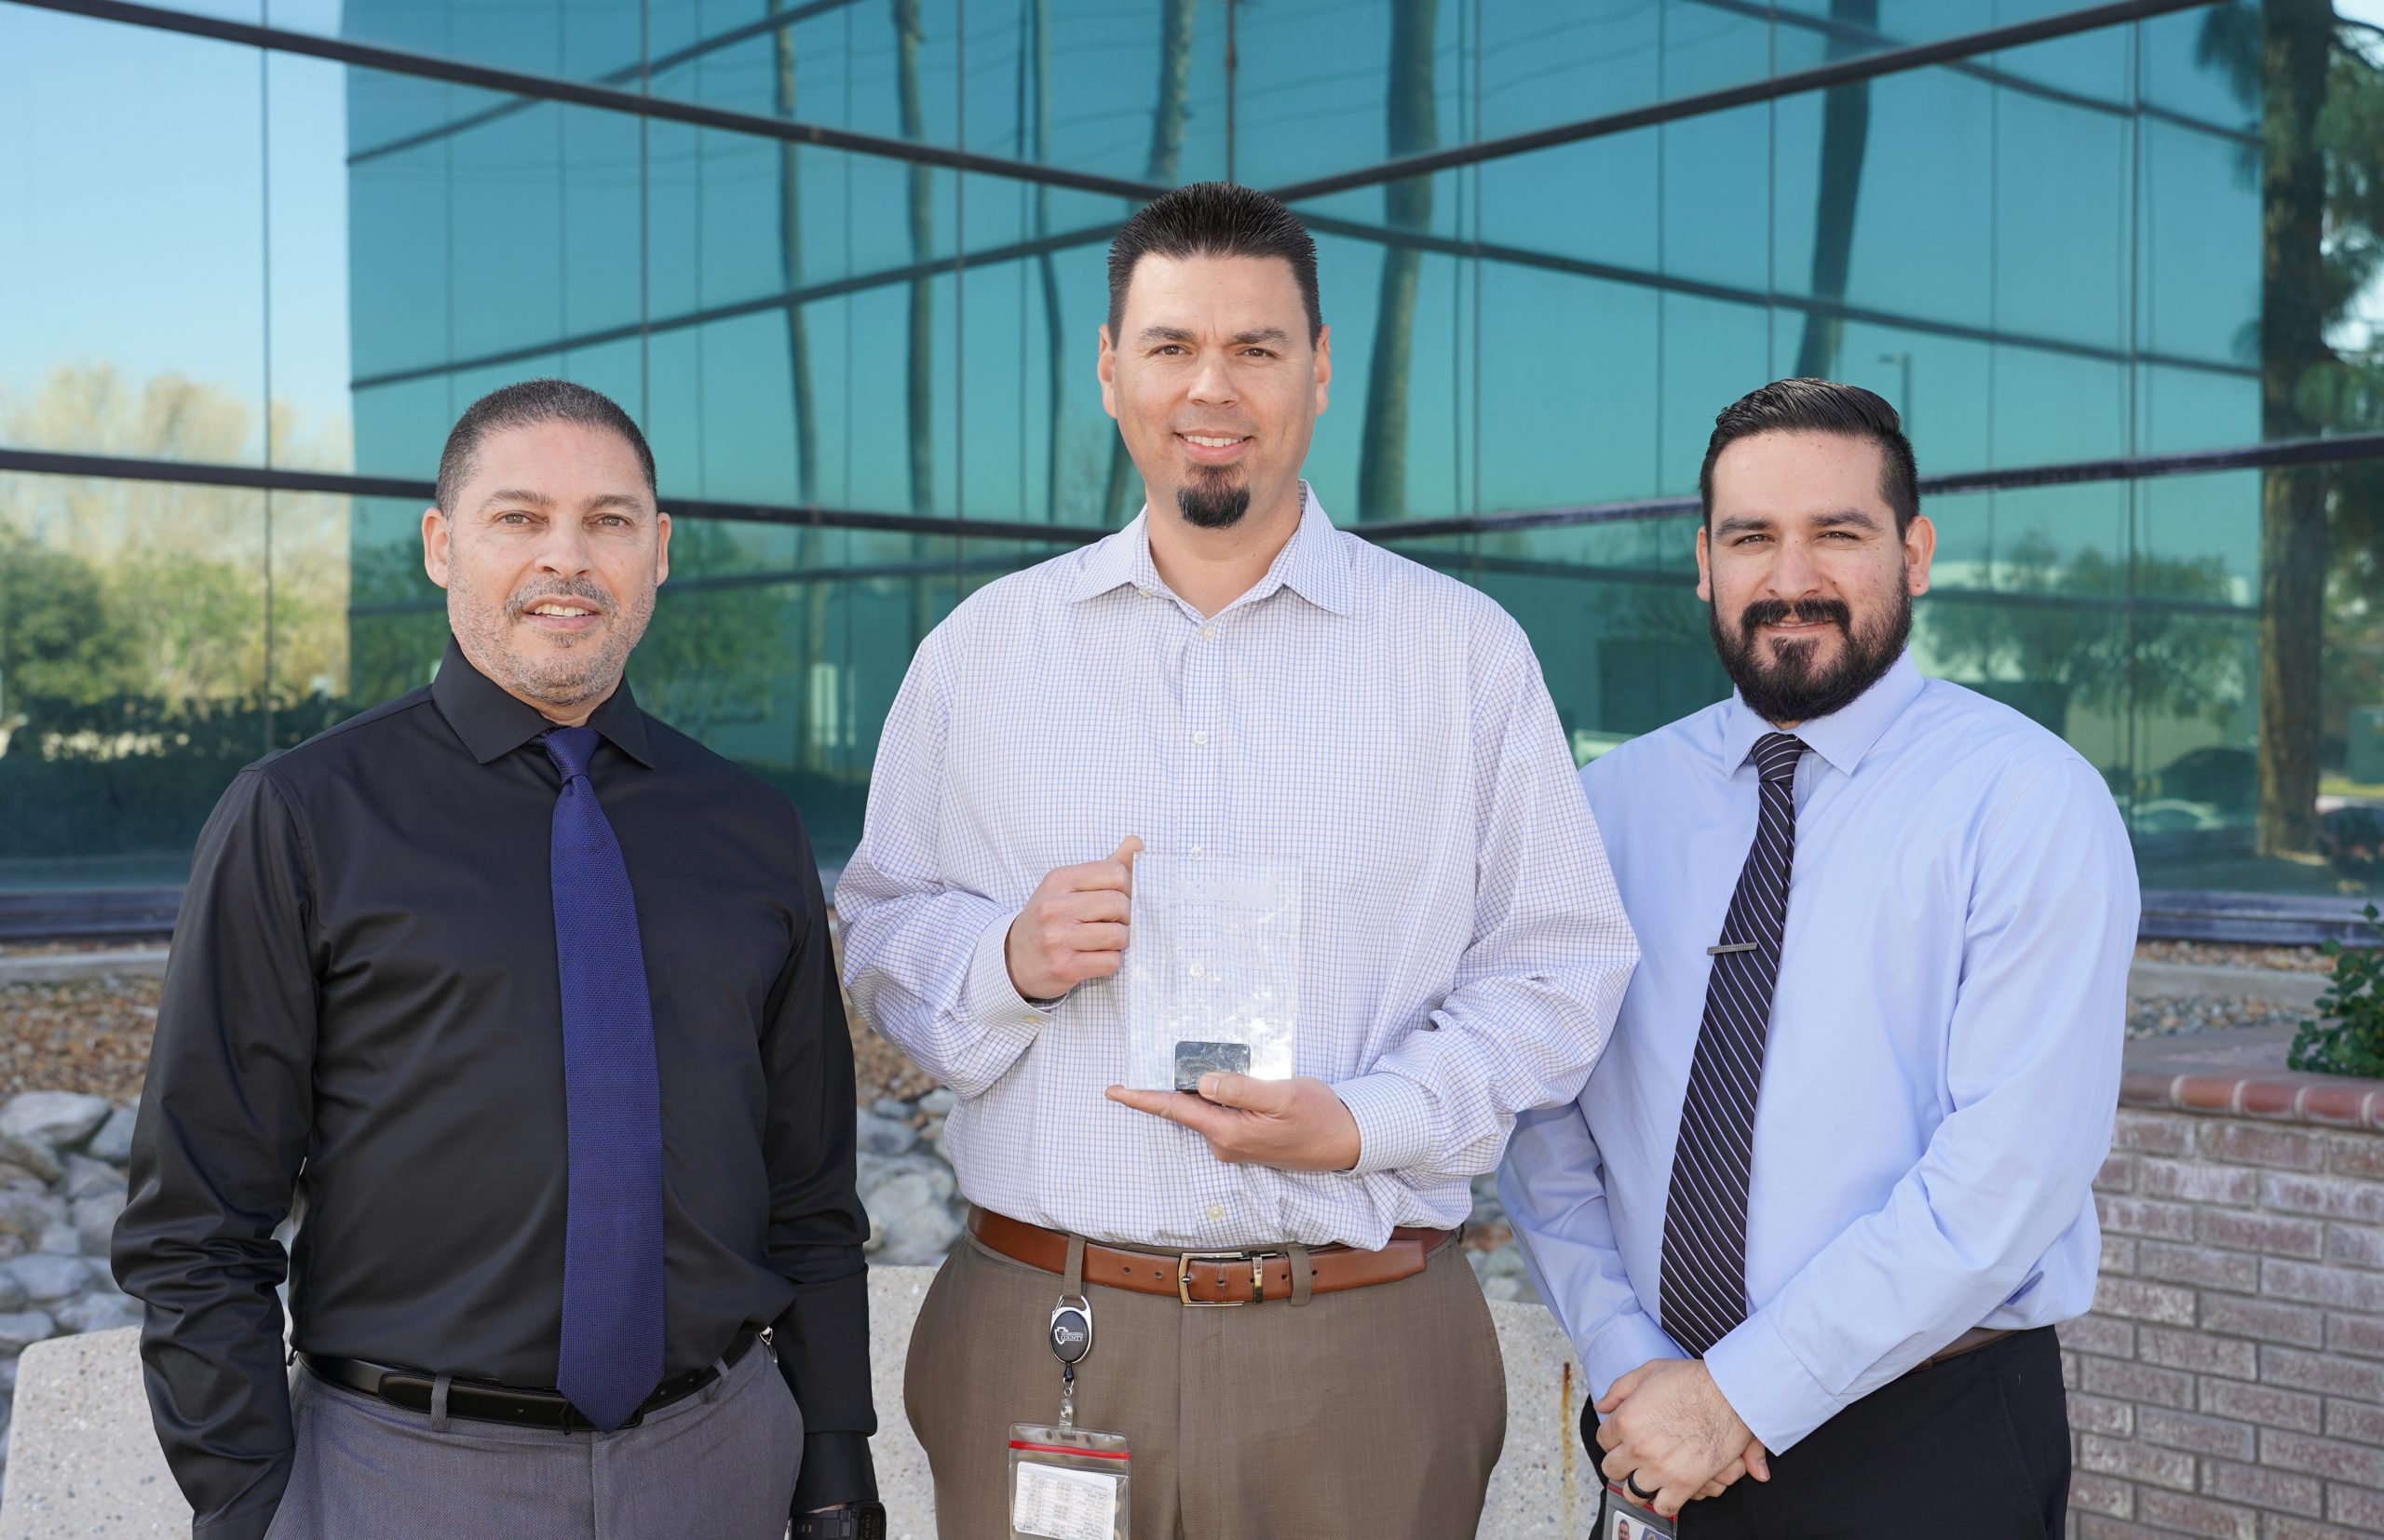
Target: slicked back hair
[
  {"x": 1819, "y": 406},
  {"x": 526, "y": 404},
  {"x": 1213, "y": 219}
]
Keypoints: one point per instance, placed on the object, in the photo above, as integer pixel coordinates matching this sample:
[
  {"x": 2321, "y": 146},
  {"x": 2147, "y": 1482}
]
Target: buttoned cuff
[
  {"x": 836, "y": 1470},
  {"x": 1779, "y": 1399},
  {"x": 1394, "y": 1121},
  {"x": 1625, "y": 1343},
  {"x": 991, "y": 1001}
]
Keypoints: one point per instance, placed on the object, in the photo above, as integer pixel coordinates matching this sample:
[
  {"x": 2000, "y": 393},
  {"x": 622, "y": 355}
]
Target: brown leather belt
[
  {"x": 1254, "y": 1276},
  {"x": 1969, "y": 1342}
]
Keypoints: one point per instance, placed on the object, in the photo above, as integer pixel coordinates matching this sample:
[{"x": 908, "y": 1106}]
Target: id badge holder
[
  {"x": 1067, "y": 1483},
  {"x": 1624, "y": 1518}
]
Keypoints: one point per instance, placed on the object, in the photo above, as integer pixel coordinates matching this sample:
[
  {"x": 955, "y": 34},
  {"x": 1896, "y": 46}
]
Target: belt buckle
[{"x": 1257, "y": 1260}]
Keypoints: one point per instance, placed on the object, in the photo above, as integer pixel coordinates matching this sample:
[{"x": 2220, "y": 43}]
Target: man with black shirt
[{"x": 528, "y": 1000}]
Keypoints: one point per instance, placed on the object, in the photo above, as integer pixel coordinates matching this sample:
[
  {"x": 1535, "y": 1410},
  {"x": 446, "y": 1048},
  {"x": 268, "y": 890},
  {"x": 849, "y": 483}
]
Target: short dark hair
[
  {"x": 1819, "y": 406},
  {"x": 527, "y": 403},
  {"x": 1213, "y": 219}
]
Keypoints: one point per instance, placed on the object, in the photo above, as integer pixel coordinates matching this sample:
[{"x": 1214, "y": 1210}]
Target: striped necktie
[
  {"x": 1704, "y": 1290},
  {"x": 610, "y": 1359}
]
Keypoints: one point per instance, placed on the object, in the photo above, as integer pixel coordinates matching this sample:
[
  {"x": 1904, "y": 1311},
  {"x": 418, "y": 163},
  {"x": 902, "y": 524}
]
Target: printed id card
[
  {"x": 1067, "y": 1483},
  {"x": 1624, "y": 1519}
]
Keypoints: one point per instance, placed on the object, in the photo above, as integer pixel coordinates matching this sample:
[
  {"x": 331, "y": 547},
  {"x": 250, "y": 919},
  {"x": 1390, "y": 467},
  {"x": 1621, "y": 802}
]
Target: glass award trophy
[{"x": 1212, "y": 970}]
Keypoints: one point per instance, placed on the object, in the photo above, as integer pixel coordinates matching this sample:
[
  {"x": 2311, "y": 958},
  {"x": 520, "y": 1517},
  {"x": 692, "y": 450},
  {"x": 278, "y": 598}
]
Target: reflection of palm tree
[
  {"x": 809, "y": 555},
  {"x": 1054, "y": 329},
  {"x": 1414, "y": 128},
  {"x": 1167, "y": 154},
  {"x": 920, "y": 402},
  {"x": 1845, "y": 134},
  {"x": 920, "y": 395},
  {"x": 2322, "y": 213}
]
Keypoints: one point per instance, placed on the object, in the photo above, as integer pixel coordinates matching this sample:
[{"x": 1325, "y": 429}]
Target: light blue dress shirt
[{"x": 1944, "y": 1054}]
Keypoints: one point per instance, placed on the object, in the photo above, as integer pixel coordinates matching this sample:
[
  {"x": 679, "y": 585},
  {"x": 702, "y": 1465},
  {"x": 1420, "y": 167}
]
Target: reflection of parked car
[
  {"x": 2228, "y": 779},
  {"x": 2351, "y": 838},
  {"x": 2173, "y": 815}
]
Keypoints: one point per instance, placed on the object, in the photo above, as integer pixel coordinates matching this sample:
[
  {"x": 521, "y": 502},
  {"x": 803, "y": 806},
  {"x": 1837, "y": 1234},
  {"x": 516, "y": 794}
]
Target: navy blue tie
[
  {"x": 611, "y": 1355},
  {"x": 1704, "y": 1286}
]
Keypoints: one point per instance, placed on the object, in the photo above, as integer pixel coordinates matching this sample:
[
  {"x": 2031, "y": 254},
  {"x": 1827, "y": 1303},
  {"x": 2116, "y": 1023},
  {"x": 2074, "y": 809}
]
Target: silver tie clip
[{"x": 1734, "y": 946}]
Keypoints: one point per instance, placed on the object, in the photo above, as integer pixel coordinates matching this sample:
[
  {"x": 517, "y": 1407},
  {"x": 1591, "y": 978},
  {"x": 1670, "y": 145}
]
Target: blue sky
[{"x": 150, "y": 238}]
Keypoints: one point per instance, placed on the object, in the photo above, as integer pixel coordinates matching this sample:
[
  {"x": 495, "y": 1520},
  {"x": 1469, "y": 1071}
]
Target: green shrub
[{"x": 2348, "y": 1037}]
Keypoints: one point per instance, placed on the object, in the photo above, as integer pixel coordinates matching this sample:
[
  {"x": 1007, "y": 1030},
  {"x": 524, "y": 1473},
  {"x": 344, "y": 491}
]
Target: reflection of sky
[
  {"x": 147, "y": 251},
  {"x": 151, "y": 237}
]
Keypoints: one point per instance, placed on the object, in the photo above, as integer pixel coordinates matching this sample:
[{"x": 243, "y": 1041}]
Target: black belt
[{"x": 482, "y": 1401}]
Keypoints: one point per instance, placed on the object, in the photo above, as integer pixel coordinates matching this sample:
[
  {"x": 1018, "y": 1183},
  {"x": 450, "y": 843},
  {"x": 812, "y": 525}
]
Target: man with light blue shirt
[{"x": 1824, "y": 1197}]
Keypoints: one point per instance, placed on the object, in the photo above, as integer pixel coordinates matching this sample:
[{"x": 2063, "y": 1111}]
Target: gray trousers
[{"x": 719, "y": 1465}]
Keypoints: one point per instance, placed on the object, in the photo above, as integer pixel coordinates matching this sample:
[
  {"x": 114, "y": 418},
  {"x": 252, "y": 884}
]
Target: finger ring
[{"x": 1630, "y": 1484}]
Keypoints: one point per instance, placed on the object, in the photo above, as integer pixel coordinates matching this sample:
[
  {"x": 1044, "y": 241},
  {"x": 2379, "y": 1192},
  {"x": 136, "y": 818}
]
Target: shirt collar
[
  {"x": 1313, "y": 563},
  {"x": 493, "y": 723},
  {"x": 1843, "y": 736}
]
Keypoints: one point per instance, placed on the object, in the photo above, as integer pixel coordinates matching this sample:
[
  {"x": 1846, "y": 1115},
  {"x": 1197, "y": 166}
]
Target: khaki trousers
[{"x": 1372, "y": 1412}]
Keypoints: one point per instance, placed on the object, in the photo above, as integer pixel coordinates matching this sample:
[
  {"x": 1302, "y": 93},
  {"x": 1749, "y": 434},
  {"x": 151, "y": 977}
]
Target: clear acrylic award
[{"x": 1213, "y": 969}]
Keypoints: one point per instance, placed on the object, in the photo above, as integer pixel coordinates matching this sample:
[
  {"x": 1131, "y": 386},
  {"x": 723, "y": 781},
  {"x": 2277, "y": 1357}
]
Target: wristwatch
[{"x": 852, "y": 1522}]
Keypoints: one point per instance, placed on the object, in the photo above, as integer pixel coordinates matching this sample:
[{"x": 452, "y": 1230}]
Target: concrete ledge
[
  {"x": 43, "y": 967},
  {"x": 83, "y": 1463},
  {"x": 2281, "y": 987}
]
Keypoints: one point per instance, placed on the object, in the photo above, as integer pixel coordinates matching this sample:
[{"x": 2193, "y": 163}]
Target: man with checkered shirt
[{"x": 1229, "y": 677}]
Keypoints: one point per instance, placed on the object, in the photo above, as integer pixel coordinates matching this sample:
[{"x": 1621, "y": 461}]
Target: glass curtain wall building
[{"x": 2117, "y": 265}]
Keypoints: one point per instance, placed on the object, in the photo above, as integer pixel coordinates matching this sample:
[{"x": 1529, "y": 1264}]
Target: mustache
[
  {"x": 1781, "y": 611},
  {"x": 581, "y": 589}
]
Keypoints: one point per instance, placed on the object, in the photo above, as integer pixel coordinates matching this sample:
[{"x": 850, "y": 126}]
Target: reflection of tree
[
  {"x": 202, "y": 592},
  {"x": 1845, "y": 134},
  {"x": 2072, "y": 628},
  {"x": 1407, "y": 205},
  {"x": 712, "y": 651},
  {"x": 54, "y": 643},
  {"x": 1167, "y": 153},
  {"x": 2322, "y": 104}
]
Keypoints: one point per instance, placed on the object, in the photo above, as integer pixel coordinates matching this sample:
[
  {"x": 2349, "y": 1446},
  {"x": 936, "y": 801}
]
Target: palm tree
[
  {"x": 2321, "y": 101},
  {"x": 1845, "y": 135},
  {"x": 1414, "y": 128},
  {"x": 811, "y": 554},
  {"x": 1167, "y": 154},
  {"x": 1054, "y": 327}
]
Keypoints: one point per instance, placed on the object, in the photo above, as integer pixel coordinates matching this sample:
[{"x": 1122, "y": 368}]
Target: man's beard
[
  {"x": 1212, "y": 499},
  {"x": 1794, "y": 688}
]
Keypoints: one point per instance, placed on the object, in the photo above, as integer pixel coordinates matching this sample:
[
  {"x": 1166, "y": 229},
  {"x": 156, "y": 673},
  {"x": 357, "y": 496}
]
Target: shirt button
[
  {"x": 1216, "y": 1211},
  {"x": 1207, "y": 634},
  {"x": 1201, "y": 736},
  {"x": 1196, "y": 850},
  {"x": 1195, "y": 970}
]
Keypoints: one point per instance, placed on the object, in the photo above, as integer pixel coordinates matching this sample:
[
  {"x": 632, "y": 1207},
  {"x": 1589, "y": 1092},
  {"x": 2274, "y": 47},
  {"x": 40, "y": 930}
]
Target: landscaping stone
[{"x": 60, "y": 1119}]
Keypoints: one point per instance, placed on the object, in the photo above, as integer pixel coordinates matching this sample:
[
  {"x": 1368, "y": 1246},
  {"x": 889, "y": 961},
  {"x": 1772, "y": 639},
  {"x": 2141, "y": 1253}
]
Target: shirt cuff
[
  {"x": 988, "y": 997},
  {"x": 836, "y": 1469},
  {"x": 1394, "y": 1121},
  {"x": 1625, "y": 1343},
  {"x": 1768, "y": 1385}
]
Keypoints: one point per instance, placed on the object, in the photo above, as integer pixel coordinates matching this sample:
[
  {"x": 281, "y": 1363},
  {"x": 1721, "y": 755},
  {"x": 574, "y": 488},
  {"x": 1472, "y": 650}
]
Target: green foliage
[
  {"x": 2109, "y": 643},
  {"x": 2348, "y": 1037}
]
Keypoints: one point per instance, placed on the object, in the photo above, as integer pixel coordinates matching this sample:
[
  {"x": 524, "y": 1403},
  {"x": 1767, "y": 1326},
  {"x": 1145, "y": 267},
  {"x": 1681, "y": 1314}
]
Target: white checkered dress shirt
[{"x": 1462, "y": 951}]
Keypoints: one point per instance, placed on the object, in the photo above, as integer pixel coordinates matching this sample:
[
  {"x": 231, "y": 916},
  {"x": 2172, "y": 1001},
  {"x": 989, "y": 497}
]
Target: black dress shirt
[{"x": 361, "y": 1011}]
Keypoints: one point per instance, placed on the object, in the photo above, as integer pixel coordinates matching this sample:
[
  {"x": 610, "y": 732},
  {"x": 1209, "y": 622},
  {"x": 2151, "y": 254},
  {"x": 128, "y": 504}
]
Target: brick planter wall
[{"x": 2230, "y": 1381}]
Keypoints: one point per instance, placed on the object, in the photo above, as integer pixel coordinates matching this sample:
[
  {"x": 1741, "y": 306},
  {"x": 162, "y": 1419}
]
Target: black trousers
[{"x": 1976, "y": 1448}]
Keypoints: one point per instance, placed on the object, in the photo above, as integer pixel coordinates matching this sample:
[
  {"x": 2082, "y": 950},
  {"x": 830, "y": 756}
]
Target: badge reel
[
  {"x": 1066, "y": 1482},
  {"x": 1626, "y": 1518}
]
